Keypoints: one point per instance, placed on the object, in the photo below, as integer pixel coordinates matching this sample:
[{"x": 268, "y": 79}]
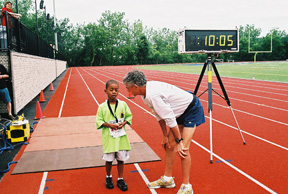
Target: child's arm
[
  {"x": 128, "y": 115},
  {"x": 112, "y": 126},
  {"x": 122, "y": 124}
]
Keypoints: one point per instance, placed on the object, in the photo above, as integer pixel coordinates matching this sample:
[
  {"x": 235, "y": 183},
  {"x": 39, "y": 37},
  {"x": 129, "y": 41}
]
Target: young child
[{"x": 112, "y": 116}]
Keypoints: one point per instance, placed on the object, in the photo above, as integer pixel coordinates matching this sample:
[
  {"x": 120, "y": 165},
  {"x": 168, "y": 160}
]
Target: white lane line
[
  {"x": 230, "y": 165},
  {"x": 136, "y": 165},
  {"x": 144, "y": 177},
  {"x": 237, "y": 169},
  {"x": 279, "y": 122},
  {"x": 258, "y": 104},
  {"x": 64, "y": 96},
  {"x": 272, "y": 120},
  {"x": 42, "y": 185},
  {"x": 282, "y": 147},
  {"x": 88, "y": 88}
]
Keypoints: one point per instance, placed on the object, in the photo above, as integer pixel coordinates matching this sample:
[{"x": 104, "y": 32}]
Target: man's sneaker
[
  {"x": 185, "y": 190},
  {"x": 109, "y": 183},
  {"x": 122, "y": 185},
  {"x": 161, "y": 183}
]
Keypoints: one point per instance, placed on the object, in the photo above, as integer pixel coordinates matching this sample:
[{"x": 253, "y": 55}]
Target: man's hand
[
  {"x": 165, "y": 142},
  {"x": 179, "y": 148}
]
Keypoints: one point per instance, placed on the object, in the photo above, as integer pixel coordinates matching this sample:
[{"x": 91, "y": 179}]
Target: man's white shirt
[{"x": 167, "y": 101}]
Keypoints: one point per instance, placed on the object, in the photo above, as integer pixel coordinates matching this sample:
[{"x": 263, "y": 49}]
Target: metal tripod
[{"x": 210, "y": 63}]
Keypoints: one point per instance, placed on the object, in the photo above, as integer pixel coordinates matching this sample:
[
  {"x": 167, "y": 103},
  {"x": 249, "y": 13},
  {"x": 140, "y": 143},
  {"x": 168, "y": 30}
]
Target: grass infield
[{"x": 269, "y": 71}]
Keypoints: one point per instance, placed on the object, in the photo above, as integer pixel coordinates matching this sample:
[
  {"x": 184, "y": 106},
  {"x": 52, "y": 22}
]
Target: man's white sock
[{"x": 167, "y": 178}]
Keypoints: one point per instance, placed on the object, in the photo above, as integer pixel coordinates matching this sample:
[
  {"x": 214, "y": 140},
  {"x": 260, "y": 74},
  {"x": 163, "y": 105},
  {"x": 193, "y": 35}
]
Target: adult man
[
  {"x": 181, "y": 112},
  {"x": 4, "y": 93}
]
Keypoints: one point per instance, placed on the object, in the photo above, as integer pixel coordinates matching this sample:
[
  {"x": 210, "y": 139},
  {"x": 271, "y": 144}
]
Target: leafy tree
[
  {"x": 114, "y": 41},
  {"x": 285, "y": 42},
  {"x": 278, "y": 53},
  {"x": 113, "y": 26},
  {"x": 142, "y": 49}
]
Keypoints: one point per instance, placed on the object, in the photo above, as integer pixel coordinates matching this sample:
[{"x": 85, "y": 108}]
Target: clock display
[{"x": 208, "y": 41}]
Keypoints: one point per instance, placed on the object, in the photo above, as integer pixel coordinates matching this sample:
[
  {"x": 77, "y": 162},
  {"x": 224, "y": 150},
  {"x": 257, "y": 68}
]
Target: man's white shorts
[{"x": 121, "y": 155}]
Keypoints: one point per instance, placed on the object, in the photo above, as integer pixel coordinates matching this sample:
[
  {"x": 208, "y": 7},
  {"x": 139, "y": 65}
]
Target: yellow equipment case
[{"x": 18, "y": 130}]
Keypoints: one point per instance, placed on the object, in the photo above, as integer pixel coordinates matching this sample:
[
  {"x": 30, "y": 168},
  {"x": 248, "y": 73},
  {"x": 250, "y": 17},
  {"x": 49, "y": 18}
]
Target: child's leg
[
  {"x": 108, "y": 168},
  {"x": 122, "y": 156},
  {"x": 109, "y": 159},
  {"x": 120, "y": 168},
  {"x": 120, "y": 182}
]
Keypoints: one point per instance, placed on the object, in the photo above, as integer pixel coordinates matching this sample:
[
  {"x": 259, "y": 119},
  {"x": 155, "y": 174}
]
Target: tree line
[{"x": 112, "y": 40}]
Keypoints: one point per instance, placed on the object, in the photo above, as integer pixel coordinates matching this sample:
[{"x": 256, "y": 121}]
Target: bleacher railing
[{"x": 16, "y": 36}]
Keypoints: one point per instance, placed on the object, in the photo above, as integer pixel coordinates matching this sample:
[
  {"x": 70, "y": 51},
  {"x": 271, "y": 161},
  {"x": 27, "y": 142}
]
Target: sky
[{"x": 179, "y": 14}]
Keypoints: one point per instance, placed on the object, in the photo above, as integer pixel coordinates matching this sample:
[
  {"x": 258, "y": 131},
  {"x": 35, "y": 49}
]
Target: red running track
[{"x": 260, "y": 166}]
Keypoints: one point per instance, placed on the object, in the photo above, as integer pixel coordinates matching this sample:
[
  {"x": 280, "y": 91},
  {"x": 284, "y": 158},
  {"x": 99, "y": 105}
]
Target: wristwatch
[{"x": 178, "y": 140}]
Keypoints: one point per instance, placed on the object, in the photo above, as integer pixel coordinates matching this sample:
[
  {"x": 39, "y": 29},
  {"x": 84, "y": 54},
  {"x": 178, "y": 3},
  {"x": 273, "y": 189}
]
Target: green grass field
[{"x": 269, "y": 71}]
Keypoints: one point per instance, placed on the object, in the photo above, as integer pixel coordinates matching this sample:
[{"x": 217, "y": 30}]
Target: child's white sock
[
  {"x": 167, "y": 178},
  {"x": 120, "y": 178},
  {"x": 109, "y": 176}
]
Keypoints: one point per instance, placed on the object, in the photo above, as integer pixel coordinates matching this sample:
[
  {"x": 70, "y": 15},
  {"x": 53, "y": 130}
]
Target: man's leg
[
  {"x": 164, "y": 181},
  {"x": 187, "y": 134},
  {"x": 170, "y": 155}
]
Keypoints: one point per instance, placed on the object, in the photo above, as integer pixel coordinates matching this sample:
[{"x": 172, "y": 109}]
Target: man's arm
[
  {"x": 165, "y": 142},
  {"x": 163, "y": 127}
]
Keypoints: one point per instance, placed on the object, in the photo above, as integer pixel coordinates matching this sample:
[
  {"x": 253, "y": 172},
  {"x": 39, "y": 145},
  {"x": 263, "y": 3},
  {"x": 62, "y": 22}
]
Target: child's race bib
[{"x": 117, "y": 132}]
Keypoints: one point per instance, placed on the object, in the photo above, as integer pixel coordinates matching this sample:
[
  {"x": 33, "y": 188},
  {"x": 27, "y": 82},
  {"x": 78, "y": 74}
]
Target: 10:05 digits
[{"x": 212, "y": 40}]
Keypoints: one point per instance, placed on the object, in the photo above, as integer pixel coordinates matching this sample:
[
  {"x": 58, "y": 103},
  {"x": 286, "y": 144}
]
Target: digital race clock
[{"x": 208, "y": 41}]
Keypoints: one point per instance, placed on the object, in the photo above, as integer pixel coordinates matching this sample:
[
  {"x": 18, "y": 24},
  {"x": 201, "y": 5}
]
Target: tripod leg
[
  {"x": 211, "y": 145},
  {"x": 221, "y": 84},
  {"x": 227, "y": 98},
  {"x": 200, "y": 78},
  {"x": 210, "y": 104},
  {"x": 237, "y": 125}
]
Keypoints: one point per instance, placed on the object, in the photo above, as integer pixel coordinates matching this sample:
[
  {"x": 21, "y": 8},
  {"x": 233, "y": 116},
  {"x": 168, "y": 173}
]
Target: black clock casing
[{"x": 208, "y": 41}]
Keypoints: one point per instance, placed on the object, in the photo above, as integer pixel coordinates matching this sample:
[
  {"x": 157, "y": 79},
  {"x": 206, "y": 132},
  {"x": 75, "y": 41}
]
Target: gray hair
[{"x": 135, "y": 77}]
